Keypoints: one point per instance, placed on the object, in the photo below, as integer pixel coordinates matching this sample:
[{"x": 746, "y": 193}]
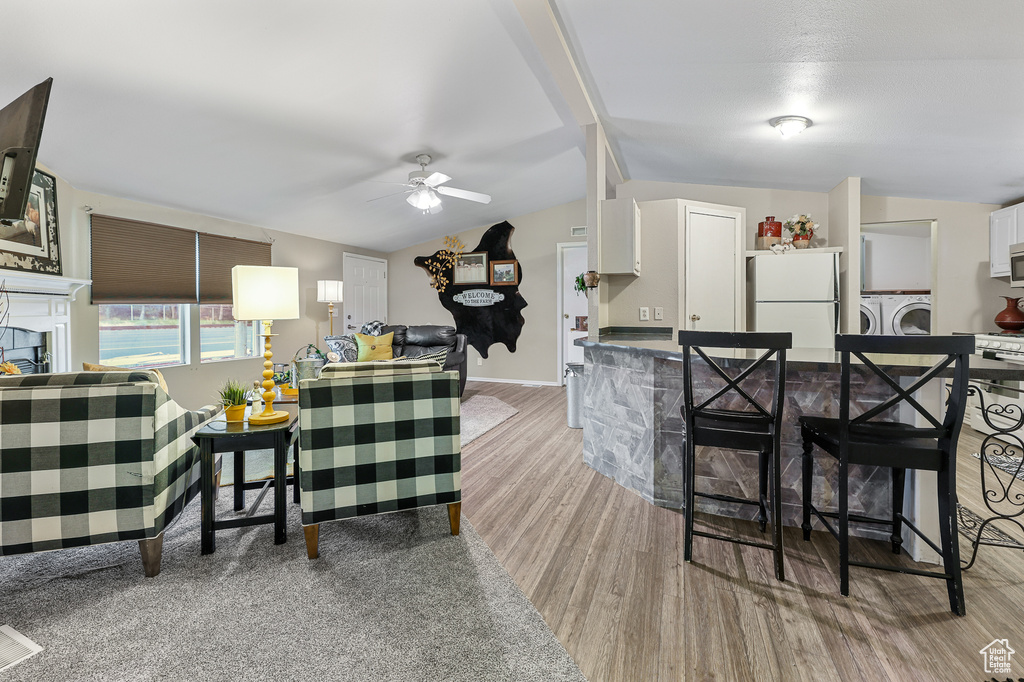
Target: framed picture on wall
[
  {"x": 31, "y": 243},
  {"x": 504, "y": 272},
  {"x": 470, "y": 268}
]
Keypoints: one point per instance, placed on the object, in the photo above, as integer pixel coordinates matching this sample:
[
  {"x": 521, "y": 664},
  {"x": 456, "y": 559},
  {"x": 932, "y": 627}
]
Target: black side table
[{"x": 222, "y": 436}]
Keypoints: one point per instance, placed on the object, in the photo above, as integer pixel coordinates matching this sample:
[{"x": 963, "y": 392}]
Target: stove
[{"x": 1007, "y": 346}]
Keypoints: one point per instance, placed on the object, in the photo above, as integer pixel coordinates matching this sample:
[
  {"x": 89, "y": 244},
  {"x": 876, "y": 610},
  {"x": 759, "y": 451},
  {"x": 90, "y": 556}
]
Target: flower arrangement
[{"x": 801, "y": 226}]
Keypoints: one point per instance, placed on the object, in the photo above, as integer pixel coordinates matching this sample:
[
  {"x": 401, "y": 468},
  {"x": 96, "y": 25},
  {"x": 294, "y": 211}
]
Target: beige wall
[
  {"x": 411, "y": 300},
  {"x": 965, "y": 297},
  {"x": 194, "y": 385},
  {"x": 759, "y": 202}
]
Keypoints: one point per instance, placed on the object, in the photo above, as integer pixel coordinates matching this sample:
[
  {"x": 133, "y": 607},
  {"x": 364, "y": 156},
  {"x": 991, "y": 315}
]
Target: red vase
[
  {"x": 769, "y": 232},
  {"x": 1010, "y": 318}
]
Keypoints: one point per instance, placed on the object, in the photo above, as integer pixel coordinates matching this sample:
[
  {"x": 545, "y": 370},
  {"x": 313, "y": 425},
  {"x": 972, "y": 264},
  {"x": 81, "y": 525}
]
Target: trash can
[{"x": 574, "y": 394}]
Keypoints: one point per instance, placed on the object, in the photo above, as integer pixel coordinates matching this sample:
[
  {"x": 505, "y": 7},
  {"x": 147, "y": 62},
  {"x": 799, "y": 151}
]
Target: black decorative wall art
[{"x": 486, "y": 314}]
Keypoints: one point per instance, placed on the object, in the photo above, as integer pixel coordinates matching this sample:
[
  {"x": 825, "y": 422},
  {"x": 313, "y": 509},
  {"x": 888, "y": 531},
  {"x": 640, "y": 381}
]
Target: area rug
[
  {"x": 392, "y": 597},
  {"x": 970, "y": 521},
  {"x": 1007, "y": 463},
  {"x": 480, "y": 414}
]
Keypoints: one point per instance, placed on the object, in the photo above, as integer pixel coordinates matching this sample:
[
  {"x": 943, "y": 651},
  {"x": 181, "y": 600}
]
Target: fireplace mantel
[
  {"x": 42, "y": 303},
  {"x": 17, "y": 282}
]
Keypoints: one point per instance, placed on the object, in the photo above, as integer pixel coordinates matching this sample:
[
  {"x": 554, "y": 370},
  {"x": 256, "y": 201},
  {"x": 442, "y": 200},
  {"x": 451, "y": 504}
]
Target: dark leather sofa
[{"x": 429, "y": 338}]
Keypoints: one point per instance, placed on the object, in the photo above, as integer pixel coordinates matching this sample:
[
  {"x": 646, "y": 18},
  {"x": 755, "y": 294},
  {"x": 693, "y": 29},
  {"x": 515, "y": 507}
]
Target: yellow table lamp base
[{"x": 269, "y": 415}]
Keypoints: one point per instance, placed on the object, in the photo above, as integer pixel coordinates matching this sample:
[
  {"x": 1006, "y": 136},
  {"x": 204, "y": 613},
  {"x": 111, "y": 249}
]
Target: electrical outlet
[
  {"x": 659, "y": 313},
  {"x": 479, "y": 362},
  {"x": 645, "y": 313}
]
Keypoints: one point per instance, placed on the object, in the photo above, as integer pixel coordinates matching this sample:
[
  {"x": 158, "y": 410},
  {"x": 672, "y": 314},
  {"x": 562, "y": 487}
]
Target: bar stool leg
[
  {"x": 780, "y": 571},
  {"x": 762, "y": 489},
  {"x": 898, "y": 478},
  {"x": 844, "y": 528},
  {"x": 689, "y": 453},
  {"x": 950, "y": 543},
  {"x": 806, "y": 478}
]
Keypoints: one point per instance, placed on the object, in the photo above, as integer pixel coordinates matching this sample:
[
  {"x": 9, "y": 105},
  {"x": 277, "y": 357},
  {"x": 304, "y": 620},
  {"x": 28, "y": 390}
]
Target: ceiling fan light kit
[
  {"x": 424, "y": 188},
  {"x": 790, "y": 126}
]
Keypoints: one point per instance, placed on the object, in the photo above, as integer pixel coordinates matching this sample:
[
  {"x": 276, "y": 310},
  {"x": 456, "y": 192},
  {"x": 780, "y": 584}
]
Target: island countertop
[
  {"x": 633, "y": 431},
  {"x": 801, "y": 359}
]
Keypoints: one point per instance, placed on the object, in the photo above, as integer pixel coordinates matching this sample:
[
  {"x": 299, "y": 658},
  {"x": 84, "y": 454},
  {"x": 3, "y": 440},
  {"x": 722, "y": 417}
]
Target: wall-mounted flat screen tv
[{"x": 21, "y": 126}]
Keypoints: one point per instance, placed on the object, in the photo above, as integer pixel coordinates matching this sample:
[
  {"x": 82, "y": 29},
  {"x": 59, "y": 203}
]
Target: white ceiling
[{"x": 289, "y": 115}]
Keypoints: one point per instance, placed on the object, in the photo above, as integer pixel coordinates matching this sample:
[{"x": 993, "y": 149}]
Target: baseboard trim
[{"x": 527, "y": 382}]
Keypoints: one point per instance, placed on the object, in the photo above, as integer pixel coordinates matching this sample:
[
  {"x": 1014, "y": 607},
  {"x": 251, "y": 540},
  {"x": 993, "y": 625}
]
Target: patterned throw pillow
[
  {"x": 439, "y": 357},
  {"x": 91, "y": 367},
  {"x": 344, "y": 346},
  {"x": 372, "y": 328},
  {"x": 374, "y": 347}
]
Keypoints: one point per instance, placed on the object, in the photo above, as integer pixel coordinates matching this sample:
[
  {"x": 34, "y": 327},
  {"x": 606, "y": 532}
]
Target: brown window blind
[
  {"x": 139, "y": 262},
  {"x": 217, "y": 255}
]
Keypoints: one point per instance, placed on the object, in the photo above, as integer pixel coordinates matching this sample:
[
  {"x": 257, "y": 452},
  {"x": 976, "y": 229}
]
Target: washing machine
[
  {"x": 870, "y": 315},
  {"x": 907, "y": 314}
]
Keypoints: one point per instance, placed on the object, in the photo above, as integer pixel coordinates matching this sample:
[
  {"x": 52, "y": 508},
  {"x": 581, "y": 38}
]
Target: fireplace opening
[{"x": 26, "y": 349}]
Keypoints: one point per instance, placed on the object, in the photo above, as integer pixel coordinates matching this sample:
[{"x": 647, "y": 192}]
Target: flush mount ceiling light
[{"x": 788, "y": 126}]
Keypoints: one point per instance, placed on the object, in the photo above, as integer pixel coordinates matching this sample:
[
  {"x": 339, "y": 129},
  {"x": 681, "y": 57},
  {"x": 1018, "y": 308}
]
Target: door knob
[
  {"x": 565, "y": 315},
  {"x": 351, "y": 326},
  {"x": 694, "y": 318}
]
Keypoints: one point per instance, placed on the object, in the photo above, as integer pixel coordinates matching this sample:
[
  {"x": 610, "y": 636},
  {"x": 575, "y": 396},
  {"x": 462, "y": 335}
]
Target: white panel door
[
  {"x": 365, "y": 291},
  {"x": 710, "y": 273},
  {"x": 813, "y": 324},
  {"x": 795, "y": 277},
  {"x": 574, "y": 305}
]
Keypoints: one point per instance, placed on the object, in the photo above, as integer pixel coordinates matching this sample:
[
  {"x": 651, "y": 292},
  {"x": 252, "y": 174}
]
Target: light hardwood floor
[{"x": 605, "y": 570}]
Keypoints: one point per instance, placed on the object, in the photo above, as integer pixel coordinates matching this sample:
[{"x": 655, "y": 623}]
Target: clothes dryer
[{"x": 907, "y": 314}]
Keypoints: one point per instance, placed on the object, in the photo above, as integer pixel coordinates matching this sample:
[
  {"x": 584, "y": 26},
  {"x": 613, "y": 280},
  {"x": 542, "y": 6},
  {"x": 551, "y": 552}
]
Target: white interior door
[
  {"x": 572, "y": 306},
  {"x": 365, "y": 291},
  {"x": 710, "y": 272}
]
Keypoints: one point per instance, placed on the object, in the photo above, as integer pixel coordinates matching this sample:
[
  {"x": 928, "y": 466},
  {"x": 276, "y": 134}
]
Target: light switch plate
[
  {"x": 645, "y": 313},
  {"x": 659, "y": 313}
]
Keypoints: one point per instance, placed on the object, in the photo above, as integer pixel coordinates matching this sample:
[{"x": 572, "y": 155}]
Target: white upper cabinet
[
  {"x": 620, "y": 237},
  {"x": 1003, "y": 229}
]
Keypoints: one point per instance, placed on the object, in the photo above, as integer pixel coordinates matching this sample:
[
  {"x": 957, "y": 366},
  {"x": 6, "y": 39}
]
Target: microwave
[{"x": 1017, "y": 265}]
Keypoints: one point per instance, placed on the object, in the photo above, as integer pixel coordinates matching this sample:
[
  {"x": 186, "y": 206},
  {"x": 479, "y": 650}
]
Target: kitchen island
[{"x": 633, "y": 429}]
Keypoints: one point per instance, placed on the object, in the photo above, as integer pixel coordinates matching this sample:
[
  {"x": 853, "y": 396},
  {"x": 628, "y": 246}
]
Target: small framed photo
[
  {"x": 470, "y": 268},
  {"x": 504, "y": 272},
  {"x": 582, "y": 324}
]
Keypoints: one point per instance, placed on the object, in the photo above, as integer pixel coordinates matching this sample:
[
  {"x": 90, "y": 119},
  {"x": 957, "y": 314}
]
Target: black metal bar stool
[
  {"x": 864, "y": 440},
  {"x": 740, "y": 423}
]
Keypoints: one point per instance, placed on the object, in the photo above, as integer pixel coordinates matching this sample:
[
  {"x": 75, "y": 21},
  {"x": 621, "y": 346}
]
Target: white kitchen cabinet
[
  {"x": 619, "y": 253},
  {"x": 1005, "y": 227}
]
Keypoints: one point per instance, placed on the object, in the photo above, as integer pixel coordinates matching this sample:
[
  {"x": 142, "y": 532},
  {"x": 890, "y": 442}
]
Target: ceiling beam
[{"x": 542, "y": 23}]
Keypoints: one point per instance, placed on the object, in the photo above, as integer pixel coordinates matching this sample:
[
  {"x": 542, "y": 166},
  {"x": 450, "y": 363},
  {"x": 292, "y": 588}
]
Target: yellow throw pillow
[
  {"x": 89, "y": 367},
  {"x": 374, "y": 347}
]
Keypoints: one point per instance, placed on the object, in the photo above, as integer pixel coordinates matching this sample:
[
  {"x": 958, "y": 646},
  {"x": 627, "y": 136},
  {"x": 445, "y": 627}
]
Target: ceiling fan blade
[
  {"x": 393, "y": 194},
  {"x": 464, "y": 194},
  {"x": 435, "y": 179}
]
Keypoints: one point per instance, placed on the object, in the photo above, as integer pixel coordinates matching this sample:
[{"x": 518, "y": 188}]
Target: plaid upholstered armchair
[
  {"x": 93, "y": 457},
  {"x": 378, "y": 437}
]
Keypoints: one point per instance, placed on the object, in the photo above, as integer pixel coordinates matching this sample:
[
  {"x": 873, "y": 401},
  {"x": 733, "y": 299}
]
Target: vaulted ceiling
[{"x": 294, "y": 116}]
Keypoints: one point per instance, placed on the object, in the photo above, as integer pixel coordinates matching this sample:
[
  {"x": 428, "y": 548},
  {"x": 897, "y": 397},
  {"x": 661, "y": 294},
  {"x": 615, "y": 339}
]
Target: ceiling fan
[{"x": 424, "y": 188}]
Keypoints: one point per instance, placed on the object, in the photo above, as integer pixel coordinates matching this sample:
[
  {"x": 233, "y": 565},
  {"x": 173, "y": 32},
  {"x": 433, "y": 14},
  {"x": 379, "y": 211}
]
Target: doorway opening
[{"x": 572, "y": 318}]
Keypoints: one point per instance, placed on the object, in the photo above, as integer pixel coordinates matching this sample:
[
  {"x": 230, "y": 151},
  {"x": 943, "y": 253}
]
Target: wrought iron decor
[
  {"x": 1001, "y": 470},
  {"x": 486, "y": 314}
]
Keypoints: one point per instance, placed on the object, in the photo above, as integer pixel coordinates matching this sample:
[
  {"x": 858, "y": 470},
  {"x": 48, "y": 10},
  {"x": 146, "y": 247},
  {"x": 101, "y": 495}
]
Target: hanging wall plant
[{"x": 579, "y": 286}]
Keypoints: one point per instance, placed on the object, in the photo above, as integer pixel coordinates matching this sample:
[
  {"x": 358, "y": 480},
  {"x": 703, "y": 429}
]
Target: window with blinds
[{"x": 142, "y": 273}]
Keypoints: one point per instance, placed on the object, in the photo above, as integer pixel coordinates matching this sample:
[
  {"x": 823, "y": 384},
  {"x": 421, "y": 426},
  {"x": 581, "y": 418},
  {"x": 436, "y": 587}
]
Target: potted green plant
[
  {"x": 233, "y": 396},
  {"x": 579, "y": 286}
]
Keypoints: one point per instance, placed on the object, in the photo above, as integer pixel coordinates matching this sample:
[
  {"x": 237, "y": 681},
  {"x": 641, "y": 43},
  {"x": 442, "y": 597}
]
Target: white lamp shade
[
  {"x": 265, "y": 293},
  {"x": 328, "y": 291}
]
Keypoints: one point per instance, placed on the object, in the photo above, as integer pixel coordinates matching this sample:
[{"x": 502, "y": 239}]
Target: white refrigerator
[{"x": 797, "y": 292}]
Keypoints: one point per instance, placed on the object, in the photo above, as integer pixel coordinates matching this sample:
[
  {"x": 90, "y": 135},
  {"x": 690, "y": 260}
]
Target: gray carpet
[
  {"x": 392, "y": 597},
  {"x": 479, "y": 414}
]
